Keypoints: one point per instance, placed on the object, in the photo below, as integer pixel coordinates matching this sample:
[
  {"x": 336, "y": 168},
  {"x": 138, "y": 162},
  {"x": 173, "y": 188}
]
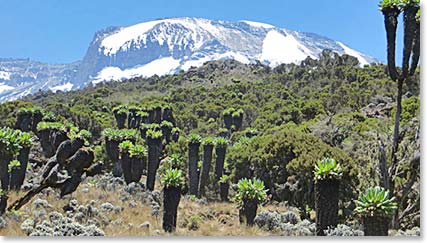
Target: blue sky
[{"x": 60, "y": 31}]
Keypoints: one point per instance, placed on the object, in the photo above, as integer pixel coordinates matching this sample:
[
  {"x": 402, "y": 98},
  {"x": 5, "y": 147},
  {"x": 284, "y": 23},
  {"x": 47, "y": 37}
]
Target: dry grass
[{"x": 212, "y": 219}]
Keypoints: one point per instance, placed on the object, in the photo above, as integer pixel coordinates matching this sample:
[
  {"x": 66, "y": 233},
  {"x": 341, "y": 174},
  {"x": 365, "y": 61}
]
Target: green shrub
[
  {"x": 125, "y": 146},
  {"x": 194, "y": 222},
  {"x": 49, "y": 117},
  {"x": 248, "y": 189},
  {"x": 225, "y": 179},
  {"x": 237, "y": 113},
  {"x": 120, "y": 110},
  {"x": 112, "y": 134},
  {"x": 142, "y": 114},
  {"x": 208, "y": 141},
  {"x": 221, "y": 142},
  {"x": 172, "y": 178},
  {"x": 375, "y": 202},
  {"x": 51, "y": 125},
  {"x": 154, "y": 134},
  {"x": 120, "y": 134},
  {"x": 176, "y": 129},
  {"x": 129, "y": 134},
  {"x": 174, "y": 161},
  {"x": 389, "y": 4},
  {"x": 13, "y": 164},
  {"x": 85, "y": 135},
  {"x": 166, "y": 124},
  {"x": 138, "y": 151},
  {"x": 413, "y": 3},
  {"x": 9, "y": 141},
  {"x": 194, "y": 138},
  {"x": 25, "y": 139},
  {"x": 327, "y": 169},
  {"x": 228, "y": 111},
  {"x": 150, "y": 126}
]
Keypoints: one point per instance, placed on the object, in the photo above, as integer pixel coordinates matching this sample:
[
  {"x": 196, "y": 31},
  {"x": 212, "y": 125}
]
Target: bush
[
  {"x": 120, "y": 134},
  {"x": 283, "y": 153},
  {"x": 137, "y": 151},
  {"x": 225, "y": 179},
  {"x": 125, "y": 146},
  {"x": 327, "y": 169},
  {"x": 221, "y": 142},
  {"x": 375, "y": 202},
  {"x": 50, "y": 125},
  {"x": 389, "y": 4},
  {"x": 208, "y": 141},
  {"x": 172, "y": 178},
  {"x": 25, "y": 139},
  {"x": 10, "y": 141},
  {"x": 248, "y": 189},
  {"x": 154, "y": 134},
  {"x": 166, "y": 124},
  {"x": 194, "y": 139}
]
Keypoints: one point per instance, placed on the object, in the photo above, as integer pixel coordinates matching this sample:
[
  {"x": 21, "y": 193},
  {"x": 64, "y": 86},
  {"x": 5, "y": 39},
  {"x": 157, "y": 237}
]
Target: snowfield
[
  {"x": 65, "y": 87},
  {"x": 4, "y": 87}
]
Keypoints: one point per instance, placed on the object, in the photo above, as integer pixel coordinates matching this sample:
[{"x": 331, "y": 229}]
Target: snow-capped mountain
[
  {"x": 20, "y": 77},
  {"x": 167, "y": 46}
]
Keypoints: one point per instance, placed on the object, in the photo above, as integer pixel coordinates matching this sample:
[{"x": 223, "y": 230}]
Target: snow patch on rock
[
  {"x": 4, "y": 75},
  {"x": 4, "y": 87},
  {"x": 281, "y": 48},
  {"x": 162, "y": 66},
  {"x": 64, "y": 87},
  {"x": 258, "y": 24}
]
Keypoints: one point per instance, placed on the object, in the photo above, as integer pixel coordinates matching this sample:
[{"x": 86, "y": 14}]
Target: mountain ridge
[{"x": 166, "y": 46}]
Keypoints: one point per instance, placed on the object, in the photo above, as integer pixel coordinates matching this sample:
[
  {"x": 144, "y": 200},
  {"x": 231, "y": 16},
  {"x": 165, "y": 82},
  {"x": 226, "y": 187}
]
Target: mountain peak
[{"x": 166, "y": 46}]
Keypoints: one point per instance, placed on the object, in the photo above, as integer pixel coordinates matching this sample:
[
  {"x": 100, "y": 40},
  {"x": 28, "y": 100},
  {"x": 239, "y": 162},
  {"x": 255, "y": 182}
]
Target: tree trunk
[
  {"x": 120, "y": 120},
  {"x": 193, "y": 160},
  {"x": 326, "y": 205},
  {"x": 137, "y": 166},
  {"x": 206, "y": 166},
  {"x": 390, "y": 21},
  {"x": 219, "y": 163},
  {"x": 237, "y": 121},
  {"x": 37, "y": 117},
  {"x": 382, "y": 167},
  {"x": 132, "y": 119},
  {"x": 158, "y": 115},
  {"x": 168, "y": 116},
  {"x": 223, "y": 191},
  {"x": 171, "y": 198},
  {"x": 4, "y": 181},
  {"x": 409, "y": 23},
  {"x": 23, "y": 122},
  {"x": 44, "y": 137},
  {"x": 175, "y": 137},
  {"x": 247, "y": 214},
  {"x": 375, "y": 225},
  {"x": 154, "y": 151},
  {"x": 151, "y": 115},
  {"x": 18, "y": 174},
  {"x": 166, "y": 133},
  {"x": 415, "y": 49},
  {"x": 394, "y": 160},
  {"x": 228, "y": 121},
  {"x": 112, "y": 149},
  {"x": 57, "y": 137},
  {"x": 126, "y": 167}
]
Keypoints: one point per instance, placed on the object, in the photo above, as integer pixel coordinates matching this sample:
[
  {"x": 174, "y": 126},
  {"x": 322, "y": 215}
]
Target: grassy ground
[{"x": 195, "y": 218}]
